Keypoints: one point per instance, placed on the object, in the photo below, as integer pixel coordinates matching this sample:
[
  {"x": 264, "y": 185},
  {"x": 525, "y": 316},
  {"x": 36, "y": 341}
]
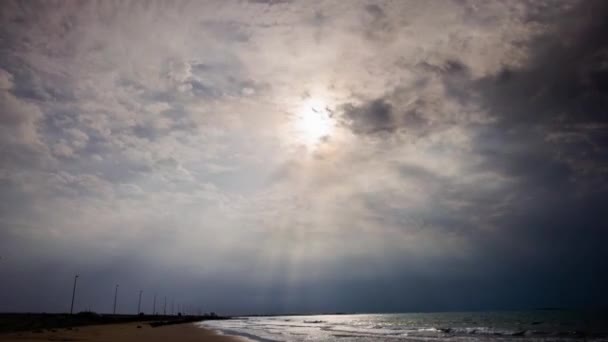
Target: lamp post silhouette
[
  {"x": 165, "y": 307},
  {"x": 154, "y": 305},
  {"x": 73, "y": 294},
  {"x": 139, "y": 302},
  {"x": 115, "y": 297}
]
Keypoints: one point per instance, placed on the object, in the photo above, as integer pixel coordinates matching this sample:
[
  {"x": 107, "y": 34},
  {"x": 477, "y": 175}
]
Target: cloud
[
  {"x": 156, "y": 142},
  {"x": 536, "y": 133},
  {"x": 372, "y": 117},
  {"x": 6, "y": 80},
  {"x": 18, "y": 119}
]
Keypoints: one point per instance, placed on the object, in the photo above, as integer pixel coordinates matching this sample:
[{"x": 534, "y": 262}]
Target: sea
[{"x": 537, "y": 325}]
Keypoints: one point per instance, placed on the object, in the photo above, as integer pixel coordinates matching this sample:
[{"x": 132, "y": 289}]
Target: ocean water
[{"x": 542, "y": 325}]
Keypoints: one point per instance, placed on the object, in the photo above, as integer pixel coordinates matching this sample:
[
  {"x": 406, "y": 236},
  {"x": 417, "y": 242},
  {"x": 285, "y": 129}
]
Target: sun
[{"x": 314, "y": 122}]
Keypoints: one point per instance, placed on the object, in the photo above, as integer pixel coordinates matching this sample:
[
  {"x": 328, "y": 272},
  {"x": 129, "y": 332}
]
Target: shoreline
[
  {"x": 127, "y": 332},
  {"x": 235, "y": 335},
  {"x": 16, "y": 322}
]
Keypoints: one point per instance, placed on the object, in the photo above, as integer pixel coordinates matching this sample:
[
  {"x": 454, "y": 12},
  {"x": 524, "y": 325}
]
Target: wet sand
[{"x": 122, "y": 333}]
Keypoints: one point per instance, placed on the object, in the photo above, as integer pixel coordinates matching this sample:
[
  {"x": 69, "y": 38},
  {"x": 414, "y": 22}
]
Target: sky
[{"x": 272, "y": 156}]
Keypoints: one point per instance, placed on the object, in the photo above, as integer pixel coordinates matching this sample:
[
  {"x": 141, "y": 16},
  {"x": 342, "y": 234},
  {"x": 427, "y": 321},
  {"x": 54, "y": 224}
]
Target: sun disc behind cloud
[{"x": 314, "y": 122}]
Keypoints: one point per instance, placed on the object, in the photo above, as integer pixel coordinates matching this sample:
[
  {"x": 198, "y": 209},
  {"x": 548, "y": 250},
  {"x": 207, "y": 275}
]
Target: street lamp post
[
  {"x": 154, "y": 305},
  {"x": 139, "y": 302},
  {"x": 115, "y": 297},
  {"x": 73, "y": 294}
]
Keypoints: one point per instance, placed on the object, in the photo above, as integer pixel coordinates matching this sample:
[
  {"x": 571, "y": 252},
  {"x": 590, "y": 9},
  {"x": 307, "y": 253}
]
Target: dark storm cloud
[
  {"x": 558, "y": 96},
  {"x": 556, "y": 104},
  {"x": 413, "y": 108},
  {"x": 372, "y": 117},
  {"x": 564, "y": 79},
  {"x": 560, "y": 91},
  {"x": 547, "y": 132}
]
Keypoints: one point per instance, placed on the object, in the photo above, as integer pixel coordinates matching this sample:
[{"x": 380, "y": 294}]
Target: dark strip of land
[
  {"x": 37, "y": 322},
  {"x": 129, "y": 332}
]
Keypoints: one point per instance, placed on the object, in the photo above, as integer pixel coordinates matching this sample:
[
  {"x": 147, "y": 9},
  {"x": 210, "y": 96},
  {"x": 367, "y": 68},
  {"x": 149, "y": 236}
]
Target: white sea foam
[{"x": 403, "y": 327}]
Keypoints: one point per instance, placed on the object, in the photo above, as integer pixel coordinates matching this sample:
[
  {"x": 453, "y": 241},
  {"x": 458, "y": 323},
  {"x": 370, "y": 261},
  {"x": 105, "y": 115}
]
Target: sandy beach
[{"x": 138, "y": 332}]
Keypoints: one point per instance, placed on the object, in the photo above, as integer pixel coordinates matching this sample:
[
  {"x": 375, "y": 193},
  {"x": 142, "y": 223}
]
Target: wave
[{"x": 389, "y": 328}]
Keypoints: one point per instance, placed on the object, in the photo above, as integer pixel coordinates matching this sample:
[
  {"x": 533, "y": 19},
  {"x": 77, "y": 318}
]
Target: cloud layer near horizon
[{"x": 152, "y": 144}]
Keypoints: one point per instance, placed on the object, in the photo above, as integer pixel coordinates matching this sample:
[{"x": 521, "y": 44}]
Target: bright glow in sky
[{"x": 313, "y": 122}]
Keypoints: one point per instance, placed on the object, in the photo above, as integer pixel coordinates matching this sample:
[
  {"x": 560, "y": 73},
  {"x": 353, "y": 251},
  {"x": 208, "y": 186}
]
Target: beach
[{"x": 136, "y": 332}]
